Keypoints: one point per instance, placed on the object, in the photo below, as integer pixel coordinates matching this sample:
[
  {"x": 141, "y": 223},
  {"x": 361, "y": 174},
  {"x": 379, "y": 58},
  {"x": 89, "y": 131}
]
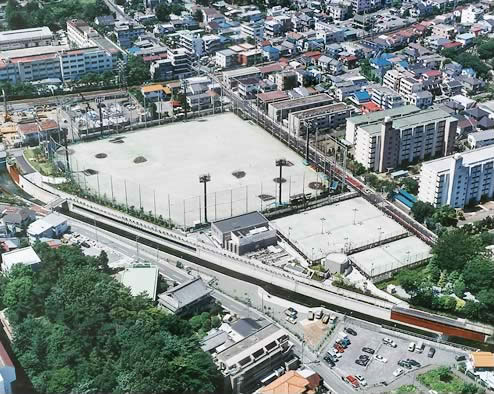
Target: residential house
[
  {"x": 186, "y": 298},
  {"x": 25, "y": 256}
]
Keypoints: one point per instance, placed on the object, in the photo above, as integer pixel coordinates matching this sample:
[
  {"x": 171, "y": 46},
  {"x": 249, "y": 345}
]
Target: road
[{"x": 223, "y": 284}]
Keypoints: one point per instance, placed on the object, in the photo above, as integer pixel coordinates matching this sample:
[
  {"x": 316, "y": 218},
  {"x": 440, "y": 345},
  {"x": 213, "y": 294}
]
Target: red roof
[
  {"x": 433, "y": 73},
  {"x": 316, "y": 54},
  {"x": 271, "y": 68},
  {"x": 34, "y": 58},
  {"x": 275, "y": 95},
  {"x": 48, "y": 124},
  {"x": 151, "y": 58},
  {"x": 370, "y": 107},
  {"x": 27, "y": 128},
  {"x": 350, "y": 58},
  {"x": 452, "y": 44}
]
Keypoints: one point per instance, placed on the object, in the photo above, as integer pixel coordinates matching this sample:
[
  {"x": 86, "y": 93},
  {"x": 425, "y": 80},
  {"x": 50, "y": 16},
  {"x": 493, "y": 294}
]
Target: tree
[
  {"x": 409, "y": 279},
  {"x": 422, "y": 210},
  {"x": 445, "y": 215},
  {"x": 454, "y": 248},
  {"x": 486, "y": 49},
  {"x": 478, "y": 273},
  {"x": 162, "y": 12},
  {"x": 79, "y": 330},
  {"x": 410, "y": 185},
  {"x": 137, "y": 71},
  {"x": 198, "y": 16}
]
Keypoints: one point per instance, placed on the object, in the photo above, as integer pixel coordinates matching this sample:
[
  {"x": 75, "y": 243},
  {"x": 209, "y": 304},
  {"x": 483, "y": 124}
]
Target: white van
[
  {"x": 420, "y": 347},
  {"x": 411, "y": 347}
]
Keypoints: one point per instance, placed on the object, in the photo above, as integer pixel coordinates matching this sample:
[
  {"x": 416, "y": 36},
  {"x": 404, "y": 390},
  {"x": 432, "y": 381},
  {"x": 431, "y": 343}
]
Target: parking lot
[{"x": 376, "y": 371}]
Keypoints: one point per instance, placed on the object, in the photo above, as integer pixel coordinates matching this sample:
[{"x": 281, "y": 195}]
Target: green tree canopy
[
  {"x": 422, "y": 210},
  {"x": 454, "y": 249},
  {"x": 79, "y": 330},
  {"x": 137, "y": 71}
]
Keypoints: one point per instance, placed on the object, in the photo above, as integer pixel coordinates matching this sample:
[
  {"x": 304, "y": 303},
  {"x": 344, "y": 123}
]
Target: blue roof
[
  {"x": 403, "y": 200},
  {"x": 408, "y": 196},
  {"x": 270, "y": 49},
  {"x": 134, "y": 50},
  {"x": 380, "y": 62},
  {"x": 362, "y": 95},
  {"x": 403, "y": 63}
]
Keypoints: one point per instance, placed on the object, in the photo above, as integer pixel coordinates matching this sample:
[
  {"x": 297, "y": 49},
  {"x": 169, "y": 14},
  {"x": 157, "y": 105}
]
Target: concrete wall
[{"x": 30, "y": 187}]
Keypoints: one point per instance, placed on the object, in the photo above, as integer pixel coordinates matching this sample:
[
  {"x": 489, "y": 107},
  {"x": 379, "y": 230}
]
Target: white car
[
  {"x": 398, "y": 372},
  {"x": 380, "y": 358},
  {"x": 389, "y": 342},
  {"x": 362, "y": 381},
  {"x": 291, "y": 319}
]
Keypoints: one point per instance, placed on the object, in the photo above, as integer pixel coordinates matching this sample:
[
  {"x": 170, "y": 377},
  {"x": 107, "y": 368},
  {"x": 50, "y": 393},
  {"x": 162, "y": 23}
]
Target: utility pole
[
  {"x": 66, "y": 150},
  {"x": 185, "y": 85},
  {"x": 205, "y": 179},
  {"x": 99, "y": 100},
  {"x": 280, "y": 163},
  {"x": 307, "y": 158}
]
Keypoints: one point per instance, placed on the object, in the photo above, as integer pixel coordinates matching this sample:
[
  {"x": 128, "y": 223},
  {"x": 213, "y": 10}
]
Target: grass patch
[
  {"x": 407, "y": 388},
  {"x": 40, "y": 163},
  {"x": 443, "y": 380}
]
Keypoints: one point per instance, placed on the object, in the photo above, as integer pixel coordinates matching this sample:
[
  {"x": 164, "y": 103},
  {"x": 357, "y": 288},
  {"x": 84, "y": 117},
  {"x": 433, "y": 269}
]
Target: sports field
[{"x": 239, "y": 156}]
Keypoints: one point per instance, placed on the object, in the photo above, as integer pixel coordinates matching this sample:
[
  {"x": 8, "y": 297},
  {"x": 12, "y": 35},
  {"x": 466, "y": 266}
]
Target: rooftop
[
  {"x": 379, "y": 116},
  {"x": 252, "y": 219},
  {"x": 411, "y": 120},
  {"x": 26, "y": 256},
  {"x": 140, "y": 278},
  {"x": 247, "y": 346},
  {"x": 325, "y": 109},
  {"x": 25, "y": 34},
  {"x": 184, "y": 294},
  {"x": 316, "y": 98},
  {"x": 470, "y": 158},
  {"x": 483, "y": 135},
  {"x": 292, "y": 382},
  {"x": 482, "y": 359}
]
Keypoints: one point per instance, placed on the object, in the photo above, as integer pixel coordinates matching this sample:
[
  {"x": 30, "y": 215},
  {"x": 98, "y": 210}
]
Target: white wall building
[
  {"x": 456, "y": 180},
  {"x": 385, "y": 145},
  {"x": 471, "y": 15},
  {"x": 25, "y": 38},
  {"x": 481, "y": 139}
]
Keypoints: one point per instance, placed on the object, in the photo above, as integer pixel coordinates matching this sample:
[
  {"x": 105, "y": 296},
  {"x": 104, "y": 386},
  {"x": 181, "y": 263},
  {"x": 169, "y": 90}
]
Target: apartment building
[
  {"x": 329, "y": 33},
  {"x": 34, "y": 64},
  {"x": 323, "y": 118},
  {"x": 386, "y": 98},
  {"x": 212, "y": 43},
  {"x": 459, "y": 179},
  {"x": 422, "y": 99},
  {"x": 193, "y": 43},
  {"x": 128, "y": 32},
  {"x": 25, "y": 38},
  {"x": 245, "y": 363},
  {"x": 353, "y": 123},
  {"x": 254, "y": 30},
  {"x": 361, "y": 6},
  {"x": 279, "y": 111},
  {"x": 81, "y": 35},
  {"x": 180, "y": 60},
  {"x": 286, "y": 80},
  {"x": 471, "y": 15},
  {"x": 408, "y": 86},
  {"x": 226, "y": 58},
  {"x": 230, "y": 77},
  {"x": 387, "y": 144},
  {"x": 338, "y": 12}
]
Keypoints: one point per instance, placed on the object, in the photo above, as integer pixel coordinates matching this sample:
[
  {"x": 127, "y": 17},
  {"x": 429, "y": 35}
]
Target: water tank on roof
[{"x": 336, "y": 263}]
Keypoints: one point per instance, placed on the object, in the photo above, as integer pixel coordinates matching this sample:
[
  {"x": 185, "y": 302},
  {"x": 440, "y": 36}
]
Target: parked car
[
  {"x": 389, "y": 342},
  {"x": 363, "y": 363},
  {"x": 363, "y": 357},
  {"x": 380, "y": 358},
  {"x": 291, "y": 312},
  {"x": 353, "y": 381},
  {"x": 361, "y": 379},
  {"x": 351, "y": 331},
  {"x": 310, "y": 315},
  {"x": 411, "y": 347},
  {"x": 329, "y": 361},
  {"x": 460, "y": 357},
  {"x": 319, "y": 314},
  {"x": 413, "y": 362},
  {"x": 368, "y": 350},
  {"x": 420, "y": 347},
  {"x": 398, "y": 372},
  {"x": 338, "y": 347},
  {"x": 325, "y": 319},
  {"x": 431, "y": 353},
  {"x": 291, "y": 319},
  {"x": 404, "y": 364}
]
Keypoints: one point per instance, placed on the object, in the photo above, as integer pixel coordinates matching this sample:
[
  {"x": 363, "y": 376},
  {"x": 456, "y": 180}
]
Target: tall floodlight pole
[
  {"x": 99, "y": 100},
  {"x": 205, "y": 179},
  {"x": 308, "y": 125},
  {"x": 280, "y": 163}
]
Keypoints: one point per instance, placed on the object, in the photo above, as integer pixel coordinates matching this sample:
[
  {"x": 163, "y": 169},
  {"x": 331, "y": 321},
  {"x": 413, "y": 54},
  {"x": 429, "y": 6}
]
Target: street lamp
[
  {"x": 354, "y": 215},
  {"x": 280, "y": 163},
  {"x": 205, "y": 179},
  {"x": 322, "y": 225}
]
